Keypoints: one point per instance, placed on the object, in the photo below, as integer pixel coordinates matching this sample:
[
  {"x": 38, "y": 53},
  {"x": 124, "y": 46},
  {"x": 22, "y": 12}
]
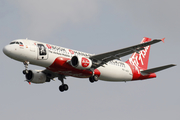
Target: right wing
[{"x": 101, "y": 59}]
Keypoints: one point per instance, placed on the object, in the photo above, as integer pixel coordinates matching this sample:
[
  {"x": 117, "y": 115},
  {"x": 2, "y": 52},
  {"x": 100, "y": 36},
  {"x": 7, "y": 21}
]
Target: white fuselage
[{"x": 44, "y": 55}]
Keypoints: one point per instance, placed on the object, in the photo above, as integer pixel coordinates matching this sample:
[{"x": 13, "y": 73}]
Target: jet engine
[
  {"x": 81, "y": 62},
  {"x": 36, "y": 76}
]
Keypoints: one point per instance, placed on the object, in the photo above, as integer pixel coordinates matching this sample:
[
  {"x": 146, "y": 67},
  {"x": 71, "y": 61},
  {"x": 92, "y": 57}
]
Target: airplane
[{"x": 60, "y": 62}]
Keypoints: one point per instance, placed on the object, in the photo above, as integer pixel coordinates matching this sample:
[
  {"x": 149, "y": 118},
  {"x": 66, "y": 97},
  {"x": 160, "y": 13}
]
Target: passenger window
[{"x": 17, "y": 42}]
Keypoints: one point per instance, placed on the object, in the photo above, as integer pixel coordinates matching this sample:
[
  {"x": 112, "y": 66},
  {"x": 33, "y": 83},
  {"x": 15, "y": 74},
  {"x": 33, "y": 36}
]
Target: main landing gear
[
  {"x": 63, "y": 87},
  {"x": 26, "y": 63},
  {"x": 93, "y": 78}
]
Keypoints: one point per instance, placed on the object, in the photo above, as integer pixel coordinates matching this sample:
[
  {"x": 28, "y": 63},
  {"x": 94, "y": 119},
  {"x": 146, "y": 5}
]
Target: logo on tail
[{"x": 140, "y": 60}]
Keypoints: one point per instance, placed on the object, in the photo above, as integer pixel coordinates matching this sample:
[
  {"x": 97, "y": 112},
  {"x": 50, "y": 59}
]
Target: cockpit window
[
  {"x": 12, "y": 42},
  {"x": 17, "y": 43}
]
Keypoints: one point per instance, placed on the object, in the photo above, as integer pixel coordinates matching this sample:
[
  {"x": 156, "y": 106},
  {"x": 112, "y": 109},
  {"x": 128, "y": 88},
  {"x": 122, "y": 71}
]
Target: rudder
[{"x": 140, "y": 60}]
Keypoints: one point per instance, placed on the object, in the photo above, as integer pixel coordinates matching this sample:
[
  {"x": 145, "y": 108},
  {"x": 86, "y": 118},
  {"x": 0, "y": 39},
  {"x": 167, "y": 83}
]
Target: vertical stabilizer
[{"x": 140, "y": 60}]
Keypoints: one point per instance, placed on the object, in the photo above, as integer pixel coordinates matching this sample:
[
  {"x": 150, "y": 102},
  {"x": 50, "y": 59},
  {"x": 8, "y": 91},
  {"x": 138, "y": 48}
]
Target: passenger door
[{"x": 42, "y": 52}]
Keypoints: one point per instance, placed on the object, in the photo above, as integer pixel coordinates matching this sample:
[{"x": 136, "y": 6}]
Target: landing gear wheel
[
  {"x": 63, "y": 88},
  {"x": 25, "y": 72},
  {"x": 93, "y": 78}
]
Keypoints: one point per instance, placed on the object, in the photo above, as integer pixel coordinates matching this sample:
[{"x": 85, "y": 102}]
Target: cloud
[{"x": 42, "y": 17}]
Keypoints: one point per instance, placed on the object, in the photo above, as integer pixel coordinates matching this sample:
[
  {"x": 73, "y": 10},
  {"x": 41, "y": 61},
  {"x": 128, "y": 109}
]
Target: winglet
[{"x": 162, "y": 40}]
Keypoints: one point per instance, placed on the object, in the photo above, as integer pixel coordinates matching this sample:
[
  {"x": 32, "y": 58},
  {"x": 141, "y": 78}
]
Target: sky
[{"x": 92, "y": 26}]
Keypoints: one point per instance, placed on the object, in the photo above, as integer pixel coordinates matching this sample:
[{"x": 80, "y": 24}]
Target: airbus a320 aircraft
[{"x": 61, "y": 62}]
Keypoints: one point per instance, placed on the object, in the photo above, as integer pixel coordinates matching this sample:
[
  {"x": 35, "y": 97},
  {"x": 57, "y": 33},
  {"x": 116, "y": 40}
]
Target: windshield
[
  {"x": 16, "y": 43},
  {"x": 12, "y": 42}
]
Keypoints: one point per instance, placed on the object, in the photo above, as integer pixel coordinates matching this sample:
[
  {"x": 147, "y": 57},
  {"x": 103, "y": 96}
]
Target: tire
[
  {"x": 91, "y": 79},
  {"x": 25, "y": 72},
  {"x": 61, "y": 88},
  {"x": 95, "y": 78},
  {"x": 65, "y": 87}
]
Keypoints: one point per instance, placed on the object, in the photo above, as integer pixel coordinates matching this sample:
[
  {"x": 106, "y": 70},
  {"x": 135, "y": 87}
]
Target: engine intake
[
  {"x": 81, "y": 62},
  {"x": 36, "y": 76}
]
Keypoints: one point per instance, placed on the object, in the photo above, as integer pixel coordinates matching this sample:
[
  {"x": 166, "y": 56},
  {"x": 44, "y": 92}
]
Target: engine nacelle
[
  {"x": 36, "y": 76},
  {"x": 81, "y": 62}
]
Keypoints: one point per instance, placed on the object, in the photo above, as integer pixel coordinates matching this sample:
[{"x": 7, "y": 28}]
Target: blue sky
[{"x": 92, "y": 26}]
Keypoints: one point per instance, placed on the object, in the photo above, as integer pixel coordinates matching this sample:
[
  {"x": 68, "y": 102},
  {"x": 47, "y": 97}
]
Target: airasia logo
[
  {"x": 85, "y": 62},
  {"x": 72, "y": 52},
  {"x": 48, "y": 46},
  {"x": 138, "y": 59}
]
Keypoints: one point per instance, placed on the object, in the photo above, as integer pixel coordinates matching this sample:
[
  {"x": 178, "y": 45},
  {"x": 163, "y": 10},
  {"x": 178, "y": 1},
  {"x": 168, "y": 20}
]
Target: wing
[
  {"x": 50, "y": 75},
  {"x": 157, "y": 69},
  {"x": 101, "y": 59}
]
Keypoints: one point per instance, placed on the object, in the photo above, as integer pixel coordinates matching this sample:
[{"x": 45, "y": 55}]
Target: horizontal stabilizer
[{"x": 157, "y": 69}]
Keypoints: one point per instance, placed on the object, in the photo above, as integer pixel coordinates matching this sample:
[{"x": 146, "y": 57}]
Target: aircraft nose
[{"x": 6, "y": 50}]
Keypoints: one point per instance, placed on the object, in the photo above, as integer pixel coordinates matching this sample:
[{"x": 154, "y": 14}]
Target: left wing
[{"x": 101, "y": 59}]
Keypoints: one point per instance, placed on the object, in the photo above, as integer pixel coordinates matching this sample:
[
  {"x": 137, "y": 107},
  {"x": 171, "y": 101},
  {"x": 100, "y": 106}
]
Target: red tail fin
[{"x": 140, "y": 60}]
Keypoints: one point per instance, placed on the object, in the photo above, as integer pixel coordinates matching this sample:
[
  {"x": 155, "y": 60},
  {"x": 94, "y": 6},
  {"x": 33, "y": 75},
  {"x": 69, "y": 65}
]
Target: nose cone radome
[{"x": 6, "y": 50}]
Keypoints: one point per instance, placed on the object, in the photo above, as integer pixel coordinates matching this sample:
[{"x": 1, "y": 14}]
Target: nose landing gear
[{"x": 26, "y": 63}]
